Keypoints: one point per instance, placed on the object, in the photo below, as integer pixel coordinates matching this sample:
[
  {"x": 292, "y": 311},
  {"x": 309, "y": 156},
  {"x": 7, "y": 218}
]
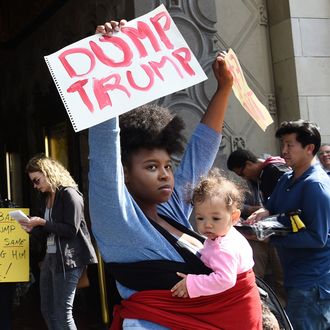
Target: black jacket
[
  {"x": 74, "y": 247},
  {"x": 269, "y": 177}
]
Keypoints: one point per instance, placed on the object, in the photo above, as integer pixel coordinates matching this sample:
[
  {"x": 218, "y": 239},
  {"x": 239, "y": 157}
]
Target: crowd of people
[
  {"x": 305, "y": 256},
  {"x": 168, "y": 275},
  {"x": 141, "y": 211}
]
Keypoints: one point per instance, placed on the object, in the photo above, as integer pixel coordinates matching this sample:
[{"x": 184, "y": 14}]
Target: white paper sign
[
  {"x": 100, "y": 77},
  {"x": 245, "y": 95}
]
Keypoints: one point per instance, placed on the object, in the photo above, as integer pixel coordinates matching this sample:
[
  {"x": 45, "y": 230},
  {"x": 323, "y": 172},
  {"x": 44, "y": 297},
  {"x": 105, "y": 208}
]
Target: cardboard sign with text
[
  {"x": 244, "y": 94},
  {"x": 101, "y": 77},
  {"x": 14, "y": 249}
]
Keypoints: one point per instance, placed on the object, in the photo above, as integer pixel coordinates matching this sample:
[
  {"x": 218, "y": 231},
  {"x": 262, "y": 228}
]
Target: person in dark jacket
[
  {"x": 68, "y": 244},
  {"x": 261, "y": 176},
  {"x": 263, "y": 172}
]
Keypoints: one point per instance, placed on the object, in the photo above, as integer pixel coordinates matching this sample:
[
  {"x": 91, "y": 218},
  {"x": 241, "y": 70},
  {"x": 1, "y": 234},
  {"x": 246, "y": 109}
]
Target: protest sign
[
  {"x": 244, "y": 94},
  {"x": 14, "y": 249},
  {"x": 100, "y": 77}
]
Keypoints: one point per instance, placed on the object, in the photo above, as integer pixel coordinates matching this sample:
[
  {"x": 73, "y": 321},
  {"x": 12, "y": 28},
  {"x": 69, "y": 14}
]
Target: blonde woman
[{"x": 68, "y": 247}]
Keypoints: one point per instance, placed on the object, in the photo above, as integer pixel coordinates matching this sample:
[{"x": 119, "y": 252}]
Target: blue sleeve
[
  {"x": 197, "y": 160},
  {"x": 118, "y": 224},
  {"x": 315, "y": 207}
]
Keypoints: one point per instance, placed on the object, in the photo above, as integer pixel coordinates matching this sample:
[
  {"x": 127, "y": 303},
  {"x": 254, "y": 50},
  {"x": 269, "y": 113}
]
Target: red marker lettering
[
  {"x": 120, "y": 44},
  {"x": 184, "y": 59},
  {"x": 161, "y": 29},
  {"x": 78, "y": 86},
  {"x": 143, "y": 31},
  {"x": 250, "y": 104},
  {"x": 101, "y": 89},
  {"x": 155, "y": 66},
  {"x": 69, "y": 69},
  {"x": 149, "y": 73}
]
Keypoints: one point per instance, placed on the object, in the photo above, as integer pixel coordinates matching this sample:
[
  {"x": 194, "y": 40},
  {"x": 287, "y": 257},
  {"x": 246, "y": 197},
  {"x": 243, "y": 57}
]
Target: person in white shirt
[{"x": 324, "y": 157}]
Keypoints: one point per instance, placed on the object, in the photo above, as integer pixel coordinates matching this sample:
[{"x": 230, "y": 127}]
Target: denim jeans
[
  {"x": 57, "y": 291},
  {"x": 309, "y": 308}
]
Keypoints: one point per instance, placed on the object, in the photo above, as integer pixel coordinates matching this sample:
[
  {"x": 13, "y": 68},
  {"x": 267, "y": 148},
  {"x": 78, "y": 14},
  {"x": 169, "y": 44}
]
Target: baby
[{"x": 216, "y": 202}]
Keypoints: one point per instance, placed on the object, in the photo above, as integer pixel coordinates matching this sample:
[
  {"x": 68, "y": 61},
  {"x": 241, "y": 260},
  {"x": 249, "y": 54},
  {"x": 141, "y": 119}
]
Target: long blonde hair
[{"x": 55, "y": 173}]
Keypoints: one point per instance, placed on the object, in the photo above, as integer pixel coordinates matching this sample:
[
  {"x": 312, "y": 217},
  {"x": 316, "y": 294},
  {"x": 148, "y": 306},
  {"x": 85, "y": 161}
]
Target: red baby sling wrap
[{"x": 238, "y": 308}]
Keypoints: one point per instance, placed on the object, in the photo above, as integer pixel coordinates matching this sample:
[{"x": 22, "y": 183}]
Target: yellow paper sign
[
  {"x": 14, "y": 249},
  {"x": 244, "y": 94}
]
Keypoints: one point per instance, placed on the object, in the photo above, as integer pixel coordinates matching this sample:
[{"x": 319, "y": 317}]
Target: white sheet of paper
[
  {"x": 245, "y": 95},
  {"x": 101, "y": 77}
]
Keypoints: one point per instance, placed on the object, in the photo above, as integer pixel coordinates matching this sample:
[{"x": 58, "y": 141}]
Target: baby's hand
[
  {"x": 180, "y": 289},
  {"x": 109, "y": 27}
]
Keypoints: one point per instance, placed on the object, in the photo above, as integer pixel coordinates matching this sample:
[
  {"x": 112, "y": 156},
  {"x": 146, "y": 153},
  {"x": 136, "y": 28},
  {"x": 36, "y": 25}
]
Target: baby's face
[{"x": 213, "y": 218}]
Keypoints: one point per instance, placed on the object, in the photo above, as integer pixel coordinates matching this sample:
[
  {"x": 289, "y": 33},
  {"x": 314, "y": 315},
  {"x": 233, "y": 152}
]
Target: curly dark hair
[
  {"x": 150, "y": 126},
  {"x": 215, "y": 184},
  {"x": 306, "y": 131}
]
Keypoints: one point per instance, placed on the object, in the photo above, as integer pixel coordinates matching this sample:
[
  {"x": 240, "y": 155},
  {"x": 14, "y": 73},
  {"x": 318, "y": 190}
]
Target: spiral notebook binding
[{"x": 61, "y": 94}]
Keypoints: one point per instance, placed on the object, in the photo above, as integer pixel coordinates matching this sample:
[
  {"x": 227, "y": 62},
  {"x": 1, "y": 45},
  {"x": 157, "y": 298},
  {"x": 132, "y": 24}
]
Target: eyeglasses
[{"x": 36, "y": 181}]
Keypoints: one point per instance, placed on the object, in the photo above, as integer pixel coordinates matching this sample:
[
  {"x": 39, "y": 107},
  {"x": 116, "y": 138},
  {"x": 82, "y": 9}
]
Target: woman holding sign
[
  {"x": 140, "y": 217},
  {"x": 68, "y": 245}
]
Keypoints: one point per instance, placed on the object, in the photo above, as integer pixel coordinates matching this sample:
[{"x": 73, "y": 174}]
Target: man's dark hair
[
  {"x": 148, "y": 127},
  {"x": 306, "y": 132},
  {"x": 239, "y": 157}
]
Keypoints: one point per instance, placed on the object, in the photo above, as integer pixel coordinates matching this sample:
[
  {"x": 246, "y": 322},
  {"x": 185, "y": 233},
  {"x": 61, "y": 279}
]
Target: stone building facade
[{"x": 283, "y": 47}]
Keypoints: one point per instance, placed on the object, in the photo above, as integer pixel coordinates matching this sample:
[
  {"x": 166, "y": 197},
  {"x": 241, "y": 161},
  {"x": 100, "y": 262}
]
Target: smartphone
[{"x": 19, "y": 215}]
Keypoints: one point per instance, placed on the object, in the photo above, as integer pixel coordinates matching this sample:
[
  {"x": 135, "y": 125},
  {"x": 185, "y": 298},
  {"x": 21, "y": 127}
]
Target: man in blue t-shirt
[{"x": 305, "y": 256}]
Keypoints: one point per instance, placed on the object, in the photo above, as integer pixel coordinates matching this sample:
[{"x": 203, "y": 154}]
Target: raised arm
[
  {"x": 204, "y": 144},
  {"x": 215, "y": 113}
]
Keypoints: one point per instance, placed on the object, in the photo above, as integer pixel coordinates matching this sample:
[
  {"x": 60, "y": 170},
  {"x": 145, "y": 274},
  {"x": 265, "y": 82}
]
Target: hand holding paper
[
  {"x": 110, "y": 27},
  {"x": 245, "y": 95},
  {"x": 221, "y": 72}
]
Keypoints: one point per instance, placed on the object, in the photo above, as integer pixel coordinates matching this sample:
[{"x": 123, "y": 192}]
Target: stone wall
[
  {"x": 243, "y": 26},
  {"x": 300, "y": 45}
]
